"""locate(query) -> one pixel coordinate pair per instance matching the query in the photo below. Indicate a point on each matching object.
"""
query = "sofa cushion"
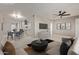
(74, 49)
(68, 41)
(8, 48)
(66, 44)
(71, 51)
(64, 49)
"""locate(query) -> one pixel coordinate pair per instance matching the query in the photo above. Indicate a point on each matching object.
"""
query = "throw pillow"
(68, 41)
(64, 49)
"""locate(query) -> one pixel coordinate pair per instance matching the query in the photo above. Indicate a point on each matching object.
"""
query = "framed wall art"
(68, 26)
(58, 26)
(63, 26)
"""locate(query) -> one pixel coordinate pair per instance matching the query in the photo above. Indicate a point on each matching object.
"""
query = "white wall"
(34, 27)
(76, 43)
(7, 27)
(29, 35)
(59, 34)
(42, 33)
(70, 32)
(77, 27)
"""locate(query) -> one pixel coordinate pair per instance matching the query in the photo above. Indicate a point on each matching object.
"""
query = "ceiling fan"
(62, 13)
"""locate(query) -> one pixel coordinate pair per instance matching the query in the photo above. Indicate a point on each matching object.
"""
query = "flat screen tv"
(43, 26)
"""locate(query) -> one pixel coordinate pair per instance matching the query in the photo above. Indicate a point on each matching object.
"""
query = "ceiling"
(42, 10)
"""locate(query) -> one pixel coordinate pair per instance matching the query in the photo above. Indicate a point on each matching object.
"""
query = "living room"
(23, 23)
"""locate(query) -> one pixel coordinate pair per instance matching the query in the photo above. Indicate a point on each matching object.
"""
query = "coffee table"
(39, 47)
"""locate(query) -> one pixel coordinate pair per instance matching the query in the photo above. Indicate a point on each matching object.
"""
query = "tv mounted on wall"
(43, 26)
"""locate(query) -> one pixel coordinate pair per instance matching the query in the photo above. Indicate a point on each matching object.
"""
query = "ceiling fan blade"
(61, 14)
(65, 14)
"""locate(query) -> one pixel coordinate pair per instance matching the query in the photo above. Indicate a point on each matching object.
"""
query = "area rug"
(30, 51)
